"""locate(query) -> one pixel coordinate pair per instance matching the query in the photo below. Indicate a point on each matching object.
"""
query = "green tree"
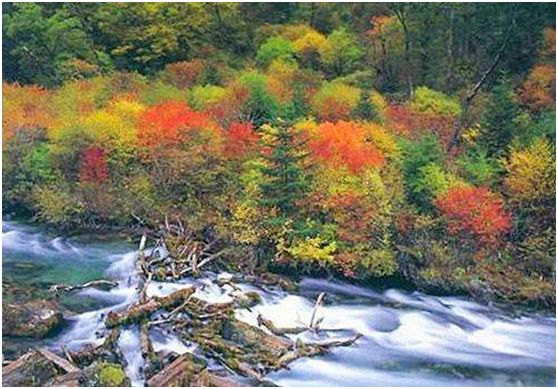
(416, 157)
(285, 180)
(500, 121)
(275, 48)
(261, 106)
(341, 52)
(42, 43)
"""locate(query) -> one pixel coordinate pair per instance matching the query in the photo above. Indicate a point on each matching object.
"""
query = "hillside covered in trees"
(409, 141)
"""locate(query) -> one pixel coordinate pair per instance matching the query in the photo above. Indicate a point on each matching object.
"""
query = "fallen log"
(181, 372)
(152, 362)
(31, 369)
(58, 361)
(98, 284)
(139, 311)
(280, 331)
(312, 349)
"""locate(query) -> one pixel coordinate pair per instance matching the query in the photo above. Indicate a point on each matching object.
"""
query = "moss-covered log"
(140, 311)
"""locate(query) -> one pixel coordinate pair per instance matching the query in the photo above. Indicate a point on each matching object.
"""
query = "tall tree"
(285, 179)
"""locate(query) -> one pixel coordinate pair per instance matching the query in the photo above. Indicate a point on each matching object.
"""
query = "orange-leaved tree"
(24, 108)
(172, 123)
(345, 144)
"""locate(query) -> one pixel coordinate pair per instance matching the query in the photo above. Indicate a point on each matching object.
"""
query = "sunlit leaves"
(531, 172)
(432, 102)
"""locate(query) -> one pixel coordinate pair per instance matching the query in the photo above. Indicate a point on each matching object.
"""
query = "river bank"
(500, 289)
(407, 336)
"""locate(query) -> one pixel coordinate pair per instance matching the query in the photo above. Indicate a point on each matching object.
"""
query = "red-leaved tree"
(476, 215)
(94, 168)
(241, 139)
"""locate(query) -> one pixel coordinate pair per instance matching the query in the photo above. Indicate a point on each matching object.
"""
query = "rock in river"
(35, 318)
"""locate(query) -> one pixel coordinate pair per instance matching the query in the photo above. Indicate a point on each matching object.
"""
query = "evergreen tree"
(285, 178)
(499, 124)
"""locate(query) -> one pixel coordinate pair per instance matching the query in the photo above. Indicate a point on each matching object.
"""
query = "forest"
(363, 140)
(287, 173)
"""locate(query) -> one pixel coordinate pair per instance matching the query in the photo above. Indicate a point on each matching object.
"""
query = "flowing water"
(409, 339)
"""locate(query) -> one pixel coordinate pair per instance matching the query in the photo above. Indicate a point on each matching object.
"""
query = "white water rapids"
(409, 338)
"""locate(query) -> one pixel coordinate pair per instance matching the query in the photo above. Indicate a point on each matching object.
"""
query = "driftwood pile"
(244, 352)
(179, 251)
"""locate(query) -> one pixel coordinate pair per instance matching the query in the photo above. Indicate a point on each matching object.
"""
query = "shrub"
(58, 206)
(159, 92)
(241, 139)
(335, 101)
(207, 96)
(75, 69)
(382, 139)
(432, 102)
(432, 182)
(169, 124)
(184, 74)
(416, 155)
(93, 167)
(312, 249)
(538, 92)
(260, 106)
(274, 48)
(478, 168)
(530, 174)
(415, 125)
(308, 47)
(475, 214)
(378, 263)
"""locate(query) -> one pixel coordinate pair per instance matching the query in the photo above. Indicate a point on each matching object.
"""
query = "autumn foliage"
(345, 144)
(94, 168)
(539, 89)
(241, 139)
(24, 108)
(475, 213)
(402, 120)
(169, 124)
(184, 74)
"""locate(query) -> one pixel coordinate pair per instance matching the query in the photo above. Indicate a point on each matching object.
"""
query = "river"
(409, 338)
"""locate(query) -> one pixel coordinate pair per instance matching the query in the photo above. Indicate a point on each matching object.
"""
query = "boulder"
(35, 318)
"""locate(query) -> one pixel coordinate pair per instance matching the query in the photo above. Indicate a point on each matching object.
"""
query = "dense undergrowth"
(301, 157)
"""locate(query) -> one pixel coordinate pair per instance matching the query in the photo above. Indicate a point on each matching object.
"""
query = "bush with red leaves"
(94, 168)
(475, 214)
